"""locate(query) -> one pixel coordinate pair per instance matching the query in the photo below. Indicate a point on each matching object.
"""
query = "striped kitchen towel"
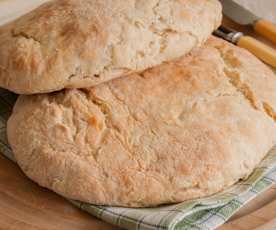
(206, 213)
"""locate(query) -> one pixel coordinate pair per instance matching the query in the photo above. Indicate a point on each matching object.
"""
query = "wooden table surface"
(25, 205)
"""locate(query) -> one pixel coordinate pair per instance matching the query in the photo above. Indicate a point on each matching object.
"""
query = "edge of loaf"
(81, 43)
(182, 130)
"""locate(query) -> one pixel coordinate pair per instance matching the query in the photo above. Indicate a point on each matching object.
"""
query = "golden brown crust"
(182, 130)
(81, 43)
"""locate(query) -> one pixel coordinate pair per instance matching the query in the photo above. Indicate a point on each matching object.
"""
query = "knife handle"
(266, 29)
(265, 53)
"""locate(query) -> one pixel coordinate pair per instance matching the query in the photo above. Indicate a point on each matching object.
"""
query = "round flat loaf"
(81, 43)
(182, 130)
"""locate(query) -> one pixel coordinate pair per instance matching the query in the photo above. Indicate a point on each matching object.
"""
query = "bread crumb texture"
(182, 130)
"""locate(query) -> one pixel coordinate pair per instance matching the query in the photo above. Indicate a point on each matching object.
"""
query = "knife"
(243, 16)
(266, 53)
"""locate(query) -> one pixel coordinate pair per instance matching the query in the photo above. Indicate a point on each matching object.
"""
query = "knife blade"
(242, 16)
(238, 13)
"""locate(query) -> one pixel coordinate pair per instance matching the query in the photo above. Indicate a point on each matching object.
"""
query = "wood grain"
(25, 205)
(261, 212)
(263, 218)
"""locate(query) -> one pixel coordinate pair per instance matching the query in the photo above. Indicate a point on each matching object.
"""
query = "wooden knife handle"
(266, 29)
(266, 53)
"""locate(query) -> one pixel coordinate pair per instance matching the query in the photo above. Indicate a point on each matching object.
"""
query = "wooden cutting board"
(263, 218)
(25, 205)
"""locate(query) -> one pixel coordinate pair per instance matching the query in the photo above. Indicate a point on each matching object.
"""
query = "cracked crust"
(178, 131)
(81, 43)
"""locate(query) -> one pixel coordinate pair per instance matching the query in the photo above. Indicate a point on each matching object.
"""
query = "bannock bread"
(81, 43)
(181, 130)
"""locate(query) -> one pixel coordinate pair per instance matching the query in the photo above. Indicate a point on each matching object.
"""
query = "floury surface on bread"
(182, 130)
(81, 43)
